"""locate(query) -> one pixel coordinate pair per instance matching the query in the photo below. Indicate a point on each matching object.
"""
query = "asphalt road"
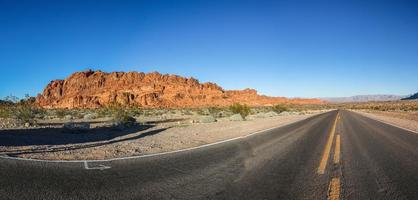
(335, 155)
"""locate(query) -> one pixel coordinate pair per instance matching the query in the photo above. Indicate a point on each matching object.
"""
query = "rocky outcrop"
(92, 89)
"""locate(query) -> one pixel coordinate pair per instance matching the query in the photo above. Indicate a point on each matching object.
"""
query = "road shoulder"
(407, 121)
(167, 139)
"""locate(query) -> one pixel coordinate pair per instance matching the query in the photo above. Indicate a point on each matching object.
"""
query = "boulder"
(207, 119)
(236, 117)
(285, 113)
(270, 114)
(76, 127)
(90, 116)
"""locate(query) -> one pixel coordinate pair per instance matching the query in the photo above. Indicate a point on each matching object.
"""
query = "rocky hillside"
(414, 96)
(91, 89)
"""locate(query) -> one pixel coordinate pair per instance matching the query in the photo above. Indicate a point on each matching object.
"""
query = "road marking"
(100, 167)
(337, 150)
(327, 150)
(334, 189)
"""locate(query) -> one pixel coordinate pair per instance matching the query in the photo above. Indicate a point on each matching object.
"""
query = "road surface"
(335, 155)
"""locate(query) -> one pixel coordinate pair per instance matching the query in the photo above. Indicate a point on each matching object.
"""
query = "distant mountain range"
(365, 98)
(414, 96)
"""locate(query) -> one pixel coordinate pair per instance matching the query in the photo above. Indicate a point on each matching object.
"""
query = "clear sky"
(281, 48)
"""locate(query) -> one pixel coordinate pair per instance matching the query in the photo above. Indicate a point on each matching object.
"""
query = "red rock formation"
(92, 89)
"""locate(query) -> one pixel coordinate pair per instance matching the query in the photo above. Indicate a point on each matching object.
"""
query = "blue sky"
(281, 48)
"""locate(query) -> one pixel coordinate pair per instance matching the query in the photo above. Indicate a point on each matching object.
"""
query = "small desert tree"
(243, 110)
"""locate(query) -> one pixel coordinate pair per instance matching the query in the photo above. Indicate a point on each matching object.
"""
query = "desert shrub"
(103, 112)
(121, 116)
(7, 106)
(61, 113)
(5, 111)
(135, 111)
(202, 111)
(25, 111)
(215, 111)
(186, 112)
(280, 108)
(147, 112)
(243, 110)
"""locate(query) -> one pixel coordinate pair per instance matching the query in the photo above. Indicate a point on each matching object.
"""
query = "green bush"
(6, 112)
(122, 118)
(215, 112)
(280, 108)
(135, 111)
(61, 113)
(243, 110)
(23, 110)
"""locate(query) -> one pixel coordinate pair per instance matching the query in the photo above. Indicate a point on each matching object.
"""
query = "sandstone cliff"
(92, 89)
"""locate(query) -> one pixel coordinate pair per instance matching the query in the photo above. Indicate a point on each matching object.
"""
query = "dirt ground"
(408, 120)
(54, 143)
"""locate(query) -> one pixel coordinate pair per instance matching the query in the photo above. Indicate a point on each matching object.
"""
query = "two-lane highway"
(335, 155)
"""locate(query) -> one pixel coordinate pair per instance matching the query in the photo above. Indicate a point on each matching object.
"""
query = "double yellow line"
(334, 185)
(327, 150)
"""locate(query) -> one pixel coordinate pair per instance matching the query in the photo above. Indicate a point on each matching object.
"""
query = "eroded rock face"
(92, 89)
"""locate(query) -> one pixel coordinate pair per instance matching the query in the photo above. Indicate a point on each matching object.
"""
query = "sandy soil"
(161, 137)
(408, 120)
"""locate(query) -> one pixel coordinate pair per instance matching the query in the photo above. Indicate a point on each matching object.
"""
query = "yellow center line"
(337, 150)
(334, 189)
(327, 150)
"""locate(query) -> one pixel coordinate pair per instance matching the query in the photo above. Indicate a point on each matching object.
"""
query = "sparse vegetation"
(404, 105)
(24, 110)
(280, 108)
(61, 113)
(203, 111)
(216, 112)
(121, 116)
(243, 110)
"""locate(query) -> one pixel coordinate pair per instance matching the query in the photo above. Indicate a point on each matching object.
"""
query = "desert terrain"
(136, 129)
(98, 115)
(85, 118)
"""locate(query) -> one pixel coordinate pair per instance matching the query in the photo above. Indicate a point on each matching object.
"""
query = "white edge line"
(156, 154)
(388, 123)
